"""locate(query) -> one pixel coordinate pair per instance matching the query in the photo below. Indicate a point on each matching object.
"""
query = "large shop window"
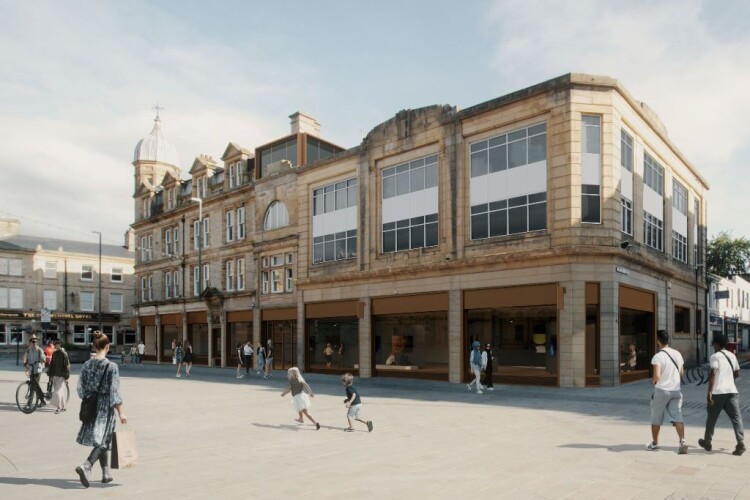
(637, 344)
(412, 344)
(410, 205)
(508, 188)
(333, 344)
(524, 340)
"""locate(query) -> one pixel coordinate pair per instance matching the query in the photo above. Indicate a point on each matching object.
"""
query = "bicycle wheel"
(26, 398)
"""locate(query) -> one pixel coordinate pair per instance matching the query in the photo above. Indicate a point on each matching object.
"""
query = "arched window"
(276, 216)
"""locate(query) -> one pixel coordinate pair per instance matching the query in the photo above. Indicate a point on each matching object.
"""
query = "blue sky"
(78, 80)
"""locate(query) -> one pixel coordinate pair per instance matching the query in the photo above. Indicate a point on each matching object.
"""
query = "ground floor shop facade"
(596, 326)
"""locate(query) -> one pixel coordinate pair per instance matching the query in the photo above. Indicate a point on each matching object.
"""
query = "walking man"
(475, 362)
(141, 352)
(723, 395)
(667, 397)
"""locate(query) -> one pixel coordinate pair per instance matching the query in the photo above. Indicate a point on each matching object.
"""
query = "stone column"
(184, 326)
(256, 331)
(455, 337)
(365, 337)
(159, 340)
(572, 335)
(301, 345)
(609, 329)
(210, 322)
(223, 339)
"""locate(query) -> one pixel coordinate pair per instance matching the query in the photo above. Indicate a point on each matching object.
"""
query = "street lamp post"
(200, 242)
(99, 272)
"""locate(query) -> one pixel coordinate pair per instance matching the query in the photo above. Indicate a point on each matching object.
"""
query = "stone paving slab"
(213, 435)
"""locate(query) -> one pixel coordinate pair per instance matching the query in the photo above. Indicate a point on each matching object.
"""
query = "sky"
(79, 79)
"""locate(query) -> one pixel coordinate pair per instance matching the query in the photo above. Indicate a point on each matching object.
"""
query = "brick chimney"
(304, 123)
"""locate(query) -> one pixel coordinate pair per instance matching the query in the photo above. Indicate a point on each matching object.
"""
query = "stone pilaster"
(365, 338)
(455, 342)
(223, 338)
(609, 330)
(572, 335)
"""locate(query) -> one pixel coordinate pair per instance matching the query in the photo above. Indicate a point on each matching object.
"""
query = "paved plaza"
(214, 436)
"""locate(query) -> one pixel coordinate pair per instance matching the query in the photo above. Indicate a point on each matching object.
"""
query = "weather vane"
(157, 108)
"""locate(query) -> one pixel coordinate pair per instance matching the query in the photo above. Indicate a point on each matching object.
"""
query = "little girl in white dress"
(299, 389)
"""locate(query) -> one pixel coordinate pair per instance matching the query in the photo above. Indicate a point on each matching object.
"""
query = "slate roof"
(30, 243)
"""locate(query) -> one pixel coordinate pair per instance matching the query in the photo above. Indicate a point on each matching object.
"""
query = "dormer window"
(201, 185)
(231, 175)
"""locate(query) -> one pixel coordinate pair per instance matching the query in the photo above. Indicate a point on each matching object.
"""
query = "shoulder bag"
(88, 405)
(675, 365)
(735, 373)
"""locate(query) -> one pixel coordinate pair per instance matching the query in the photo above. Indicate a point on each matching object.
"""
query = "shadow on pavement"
(63, 484)
(618, 448)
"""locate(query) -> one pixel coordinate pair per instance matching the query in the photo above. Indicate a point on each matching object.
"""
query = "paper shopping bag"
(124, 450)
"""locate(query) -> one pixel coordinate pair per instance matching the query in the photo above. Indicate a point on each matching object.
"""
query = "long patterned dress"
(99, 432)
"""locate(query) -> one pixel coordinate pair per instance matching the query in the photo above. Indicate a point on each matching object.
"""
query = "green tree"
(727, 256)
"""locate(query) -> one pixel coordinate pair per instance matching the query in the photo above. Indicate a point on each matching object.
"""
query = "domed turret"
(155, 147)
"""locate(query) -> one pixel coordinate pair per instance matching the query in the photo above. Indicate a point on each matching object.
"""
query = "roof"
(30, 243)
(155, 147)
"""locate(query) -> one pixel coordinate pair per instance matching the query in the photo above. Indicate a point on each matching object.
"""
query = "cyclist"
(59, 370)
(33, 360)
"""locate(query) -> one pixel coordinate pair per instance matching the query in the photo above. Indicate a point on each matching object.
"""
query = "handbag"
(682, 380)
(87, 413)
(124, 450)
(735, 373)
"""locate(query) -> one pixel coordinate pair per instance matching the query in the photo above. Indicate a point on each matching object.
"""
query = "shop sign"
(721, 294)
(715, 319)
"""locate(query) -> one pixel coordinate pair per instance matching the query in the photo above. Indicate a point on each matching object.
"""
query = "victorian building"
(57, 289)
(558, 223)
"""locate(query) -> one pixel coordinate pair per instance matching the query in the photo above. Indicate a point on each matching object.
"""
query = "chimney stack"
(302, 123)
(9, 227)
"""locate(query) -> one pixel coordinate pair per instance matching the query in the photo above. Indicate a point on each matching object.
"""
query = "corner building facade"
(558, 224)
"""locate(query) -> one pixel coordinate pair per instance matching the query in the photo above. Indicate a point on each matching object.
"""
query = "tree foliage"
(727, 256)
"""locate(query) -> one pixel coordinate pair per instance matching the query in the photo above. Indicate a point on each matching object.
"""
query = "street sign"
(46, 315)
(721, 294)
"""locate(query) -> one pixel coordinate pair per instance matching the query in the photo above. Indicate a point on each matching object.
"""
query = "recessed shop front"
(332, 332)
(280, 326)
(593, 336)
(239, 331)
(148, 334)
(637, 342)
(411, 336)
(520, 323)
(197, 335)
(171, 328)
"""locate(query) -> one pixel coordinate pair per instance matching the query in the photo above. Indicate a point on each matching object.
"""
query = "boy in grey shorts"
(667, 397)
(353, 404)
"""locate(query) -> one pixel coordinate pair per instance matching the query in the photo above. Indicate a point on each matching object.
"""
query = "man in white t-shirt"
(141, 352)
(667, 398)
(723, 395)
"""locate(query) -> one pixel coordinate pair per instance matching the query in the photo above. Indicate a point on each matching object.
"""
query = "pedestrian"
(240, 358)
(187, 358)
(178, 353)
(247, 351)
(269, 359)
(261, 359)
(100, 379)
(33, 361)
(488, 362)
(299, 389)
(668, 367)
(49, 349)
(475, 362)
(353, 404)
(328, 353)
(133, 354)
(59, 370)
(141, 352)
(723, 395)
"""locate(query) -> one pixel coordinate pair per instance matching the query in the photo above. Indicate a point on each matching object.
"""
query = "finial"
(157, 108)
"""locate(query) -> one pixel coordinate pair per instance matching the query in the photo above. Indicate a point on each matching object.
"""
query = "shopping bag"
(124, 450)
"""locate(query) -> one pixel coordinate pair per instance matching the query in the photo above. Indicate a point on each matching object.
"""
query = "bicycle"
(27, 398)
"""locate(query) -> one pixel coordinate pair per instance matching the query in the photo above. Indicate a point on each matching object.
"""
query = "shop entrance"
(637, 333)
(283, 336)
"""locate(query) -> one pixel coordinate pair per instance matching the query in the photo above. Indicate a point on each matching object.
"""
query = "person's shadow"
(288, 427)
(617, 448)
(63, 484)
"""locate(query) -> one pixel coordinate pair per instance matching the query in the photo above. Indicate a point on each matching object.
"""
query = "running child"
(353, 404)
(299, 389)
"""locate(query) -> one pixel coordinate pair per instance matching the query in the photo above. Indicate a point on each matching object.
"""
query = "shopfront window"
(637, 344)
(524, 340)
(412, 345)
(333, 344)
(239, 333)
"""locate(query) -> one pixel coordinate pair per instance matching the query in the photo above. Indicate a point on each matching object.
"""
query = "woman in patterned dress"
(100, 377)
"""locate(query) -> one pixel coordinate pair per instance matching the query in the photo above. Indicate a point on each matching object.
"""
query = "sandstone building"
(558, 223)
(40, 276)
